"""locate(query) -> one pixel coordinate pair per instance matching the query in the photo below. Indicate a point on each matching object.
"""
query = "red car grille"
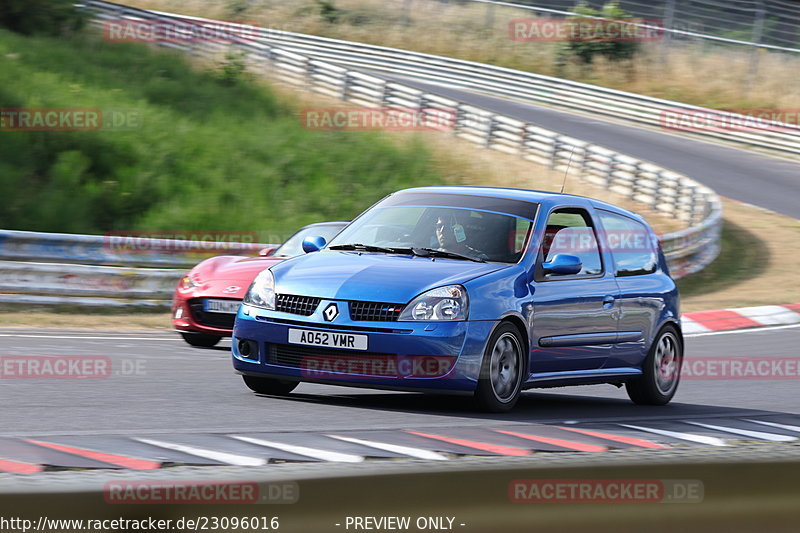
(214, 320)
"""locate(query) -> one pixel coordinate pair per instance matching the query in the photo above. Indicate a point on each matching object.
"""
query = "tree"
(50, 17)
(590, 37)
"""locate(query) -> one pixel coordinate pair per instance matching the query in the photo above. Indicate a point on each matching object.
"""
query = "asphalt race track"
(166, 403)
(169, 403)
(739, 174)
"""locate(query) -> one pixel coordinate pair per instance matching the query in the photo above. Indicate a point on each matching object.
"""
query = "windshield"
(294, 244)
(472, 233)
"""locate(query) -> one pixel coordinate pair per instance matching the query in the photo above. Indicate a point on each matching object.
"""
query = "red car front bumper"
(188, 316)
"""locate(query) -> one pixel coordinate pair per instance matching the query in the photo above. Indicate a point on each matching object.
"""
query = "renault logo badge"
(330, 312)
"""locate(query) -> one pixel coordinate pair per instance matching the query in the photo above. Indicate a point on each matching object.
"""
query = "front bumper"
(431, 356)
(184, 318)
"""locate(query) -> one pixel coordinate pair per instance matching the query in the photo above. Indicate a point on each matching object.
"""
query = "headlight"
(445, 303)
(187, 283)
(262, 291)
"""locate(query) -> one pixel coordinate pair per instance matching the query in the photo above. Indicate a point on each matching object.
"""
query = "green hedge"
(202, 154)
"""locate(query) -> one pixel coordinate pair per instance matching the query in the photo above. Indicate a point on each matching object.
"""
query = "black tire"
(502, 370)
(659, 379)
(201, 339)
(271, 386)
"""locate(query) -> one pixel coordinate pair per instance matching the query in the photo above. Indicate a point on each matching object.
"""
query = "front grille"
(290, 355)
(311, 358)
(296, 305)
(325, 363)
(214, 320)
(375, 311)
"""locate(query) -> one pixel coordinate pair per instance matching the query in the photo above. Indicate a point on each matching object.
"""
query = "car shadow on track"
(540, 407)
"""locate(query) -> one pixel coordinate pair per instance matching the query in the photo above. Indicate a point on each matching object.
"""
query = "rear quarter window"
(631, 244)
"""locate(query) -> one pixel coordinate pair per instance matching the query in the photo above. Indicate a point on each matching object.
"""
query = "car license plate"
(230, 307)
(327, 338)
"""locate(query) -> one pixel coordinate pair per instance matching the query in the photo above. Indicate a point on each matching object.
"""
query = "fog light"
(244, 348)
(179, 312)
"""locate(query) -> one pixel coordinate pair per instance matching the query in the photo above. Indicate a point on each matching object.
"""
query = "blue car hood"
(338, 275)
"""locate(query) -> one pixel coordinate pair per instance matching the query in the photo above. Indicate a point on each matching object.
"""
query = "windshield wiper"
(420, 252)
(358, 247)
(425, 252)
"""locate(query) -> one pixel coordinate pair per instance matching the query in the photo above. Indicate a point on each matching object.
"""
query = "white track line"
(314, 453)
(419, 453)
(747, 433)
(746, 330)
(89, 338)
(702, 439)
(775, 425)
(223, 457)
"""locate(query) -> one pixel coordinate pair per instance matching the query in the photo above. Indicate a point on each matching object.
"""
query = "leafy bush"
(329, 12)
(232, 70)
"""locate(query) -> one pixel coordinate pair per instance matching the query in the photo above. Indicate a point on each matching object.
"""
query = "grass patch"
(84, 319)
(205, 152)
(743, 256)
(757, 266)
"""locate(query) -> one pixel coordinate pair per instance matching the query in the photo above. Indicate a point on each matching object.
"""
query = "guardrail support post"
(554, 153)
(635, 181)
(489, 22)
(346, 79)
(612, 163)
(489, 132)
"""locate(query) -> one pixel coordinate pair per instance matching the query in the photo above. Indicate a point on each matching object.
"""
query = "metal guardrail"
(552, 92)
(665, 191)
(774, 136)
(119, 250)
(100, 270)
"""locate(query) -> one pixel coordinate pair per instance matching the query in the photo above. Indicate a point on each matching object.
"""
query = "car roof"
(547, 198)
(329, 223)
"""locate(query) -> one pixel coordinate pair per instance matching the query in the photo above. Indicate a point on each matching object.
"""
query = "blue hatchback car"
(473, 290)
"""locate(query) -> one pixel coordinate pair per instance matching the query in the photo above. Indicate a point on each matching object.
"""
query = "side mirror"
(267, 251)
(313, 244)
(563, 265)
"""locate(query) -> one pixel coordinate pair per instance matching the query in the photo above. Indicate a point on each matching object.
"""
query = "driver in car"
(452, 237)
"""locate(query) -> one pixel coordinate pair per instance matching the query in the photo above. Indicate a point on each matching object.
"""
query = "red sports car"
(208, 296)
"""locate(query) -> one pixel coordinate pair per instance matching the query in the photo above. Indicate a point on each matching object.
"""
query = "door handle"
(608, 302)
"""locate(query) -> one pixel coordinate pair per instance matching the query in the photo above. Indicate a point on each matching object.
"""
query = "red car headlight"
(187, 283)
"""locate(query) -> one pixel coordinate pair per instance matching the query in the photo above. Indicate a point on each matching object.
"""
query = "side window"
(631, 244)
(570, 231)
